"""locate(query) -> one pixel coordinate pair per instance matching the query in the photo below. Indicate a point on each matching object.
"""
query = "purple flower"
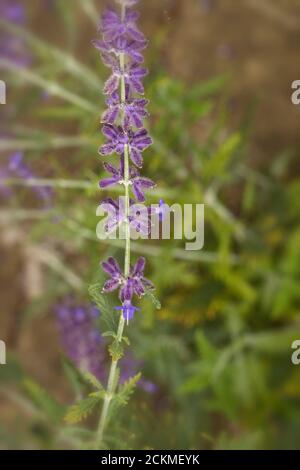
(128, 311)
(135, 283)
(139, 183)
(80, 339)
(133, 109)
(110, 51)
(118, 137)
(133, 74)
(113, 27)
(139, 215)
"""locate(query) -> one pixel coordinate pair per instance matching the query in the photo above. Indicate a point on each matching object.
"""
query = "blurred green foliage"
(219, 349)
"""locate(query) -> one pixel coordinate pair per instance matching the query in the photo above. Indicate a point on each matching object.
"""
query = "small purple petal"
(136, 157)
(110, 285)
(108, 182)
(106, 149)
(139, 267)
(111, 85)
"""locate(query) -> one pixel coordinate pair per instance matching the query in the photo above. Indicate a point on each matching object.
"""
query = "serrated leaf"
(83, 408)
(127, 389)
(153, 299)
(107, 316)
(92, 380)
(122, 397)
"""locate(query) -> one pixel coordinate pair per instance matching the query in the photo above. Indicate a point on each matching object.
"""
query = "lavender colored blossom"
(139, 183)
(110, 51)
(128, 310)
(133, 109)
(133, 74)
(135, 283)
(139, 216)
(114, 27)
(137, 142)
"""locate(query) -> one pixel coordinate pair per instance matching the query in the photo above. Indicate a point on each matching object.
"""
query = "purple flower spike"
(121, 47)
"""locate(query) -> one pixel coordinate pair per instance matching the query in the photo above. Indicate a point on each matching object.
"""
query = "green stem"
(112, 378)
(111, 387)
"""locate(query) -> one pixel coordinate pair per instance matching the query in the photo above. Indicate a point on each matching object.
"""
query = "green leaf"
(83, 408)
(121, 398)
(92, 380)
(43, 400)
(127, 389)
(153, 299)
(107, 316)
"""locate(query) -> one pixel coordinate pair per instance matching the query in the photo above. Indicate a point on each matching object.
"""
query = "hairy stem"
(112, 378)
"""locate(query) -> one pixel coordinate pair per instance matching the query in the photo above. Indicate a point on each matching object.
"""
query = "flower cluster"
(121, 49)
(135, 283)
